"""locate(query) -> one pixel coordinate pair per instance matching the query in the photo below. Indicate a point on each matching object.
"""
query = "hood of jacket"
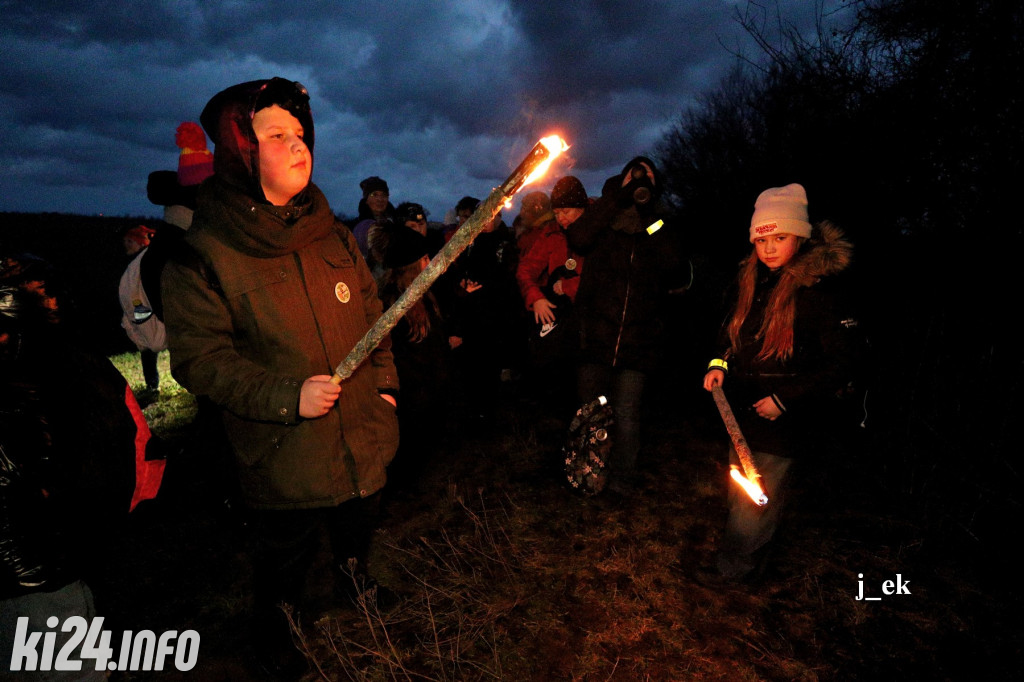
(659, 181)
(227, 119)
(617, 204)
(636, 161)
(827, 253)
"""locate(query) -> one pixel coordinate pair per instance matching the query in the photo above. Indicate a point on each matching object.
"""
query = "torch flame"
(555, 146)
(532, 167)
(749, 487)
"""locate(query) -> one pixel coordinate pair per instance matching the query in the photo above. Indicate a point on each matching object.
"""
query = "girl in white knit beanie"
(781, 349)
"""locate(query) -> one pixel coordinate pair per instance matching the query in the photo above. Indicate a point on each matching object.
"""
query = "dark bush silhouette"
(906, 128)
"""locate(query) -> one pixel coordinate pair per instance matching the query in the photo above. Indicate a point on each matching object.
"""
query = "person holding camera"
(634, 260)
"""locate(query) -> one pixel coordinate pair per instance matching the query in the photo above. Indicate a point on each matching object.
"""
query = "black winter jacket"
(67, 466)
(823, 349)
(632, 264)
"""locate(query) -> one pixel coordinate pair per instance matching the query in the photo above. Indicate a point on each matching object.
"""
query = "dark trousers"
(149, 369)
(624, 389)
(287, 543)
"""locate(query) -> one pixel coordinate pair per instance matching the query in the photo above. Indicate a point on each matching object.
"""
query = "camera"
(640, 185)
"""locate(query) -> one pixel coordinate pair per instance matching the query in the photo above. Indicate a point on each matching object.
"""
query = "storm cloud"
(442, 99)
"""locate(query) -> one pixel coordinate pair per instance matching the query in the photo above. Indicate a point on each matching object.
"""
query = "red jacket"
(526, 240)
(549, 252)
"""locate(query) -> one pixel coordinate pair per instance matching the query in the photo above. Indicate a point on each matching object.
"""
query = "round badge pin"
(342, 291)
(570, 264)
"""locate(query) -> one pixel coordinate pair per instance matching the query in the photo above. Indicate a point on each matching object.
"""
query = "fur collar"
(827, 253)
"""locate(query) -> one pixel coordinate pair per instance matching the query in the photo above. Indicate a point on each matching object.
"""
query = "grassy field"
(175, 409)
(507, 575)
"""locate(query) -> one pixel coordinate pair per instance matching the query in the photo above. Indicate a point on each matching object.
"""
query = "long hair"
(827, 252)
(775, 331)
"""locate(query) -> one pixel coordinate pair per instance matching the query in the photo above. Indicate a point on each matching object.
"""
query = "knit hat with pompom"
(195, 162)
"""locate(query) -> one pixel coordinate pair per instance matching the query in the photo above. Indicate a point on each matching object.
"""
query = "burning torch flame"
(531, 168)
(555, 146)
(749, 478)
(749, 487)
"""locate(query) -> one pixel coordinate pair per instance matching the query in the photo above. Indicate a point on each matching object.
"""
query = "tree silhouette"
(905, 126)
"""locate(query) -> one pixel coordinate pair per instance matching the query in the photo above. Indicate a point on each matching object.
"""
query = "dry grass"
(507, 575)
(516, 578)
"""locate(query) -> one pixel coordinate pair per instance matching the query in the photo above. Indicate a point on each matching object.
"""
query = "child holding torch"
(271, 296)
(783, 351)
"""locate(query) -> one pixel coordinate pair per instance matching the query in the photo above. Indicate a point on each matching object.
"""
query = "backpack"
(143, 327)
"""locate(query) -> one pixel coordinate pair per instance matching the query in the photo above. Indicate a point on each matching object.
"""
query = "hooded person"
(634, 260)
(270, 296)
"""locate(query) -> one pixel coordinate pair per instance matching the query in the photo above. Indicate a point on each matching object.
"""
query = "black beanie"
(373, 184)
(568, 192)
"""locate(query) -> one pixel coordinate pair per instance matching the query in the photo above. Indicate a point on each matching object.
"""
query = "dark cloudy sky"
(441, 99)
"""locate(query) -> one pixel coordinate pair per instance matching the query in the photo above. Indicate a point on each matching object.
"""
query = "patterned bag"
(589, 446)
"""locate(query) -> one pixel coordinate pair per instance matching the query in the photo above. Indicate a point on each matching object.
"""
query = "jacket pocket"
(333, 251)
(254, 441)
(385, 422)
(248, 281)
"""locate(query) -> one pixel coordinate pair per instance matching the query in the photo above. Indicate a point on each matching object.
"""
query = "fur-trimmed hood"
(826, 253)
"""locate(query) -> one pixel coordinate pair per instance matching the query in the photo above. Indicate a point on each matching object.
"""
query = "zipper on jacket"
(625, 304)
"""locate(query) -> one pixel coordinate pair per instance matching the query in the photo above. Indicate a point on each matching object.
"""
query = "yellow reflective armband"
(718, 364)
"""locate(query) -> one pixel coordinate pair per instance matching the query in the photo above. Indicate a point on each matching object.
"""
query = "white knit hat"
(781, 210)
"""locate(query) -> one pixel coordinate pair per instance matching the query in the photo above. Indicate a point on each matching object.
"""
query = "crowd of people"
(263, 291)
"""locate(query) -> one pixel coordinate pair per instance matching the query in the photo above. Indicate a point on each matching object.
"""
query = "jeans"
(624, 389)
(749, 527)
